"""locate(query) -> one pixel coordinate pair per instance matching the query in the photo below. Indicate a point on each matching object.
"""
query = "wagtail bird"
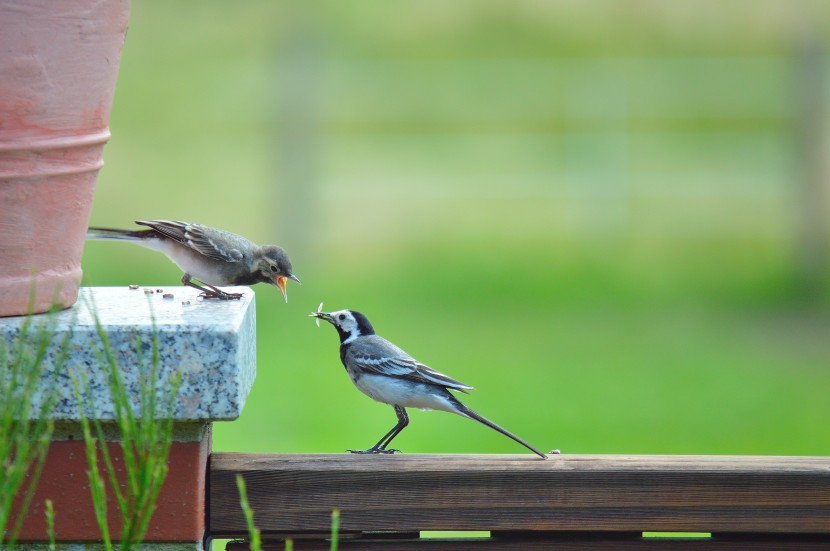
(387, 374)
(211, 256)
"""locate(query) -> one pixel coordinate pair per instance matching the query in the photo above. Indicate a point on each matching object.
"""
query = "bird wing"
(399, 364)
(210, 242)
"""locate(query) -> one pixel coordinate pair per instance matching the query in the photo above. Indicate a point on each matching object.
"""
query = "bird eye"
(273, 268)
(341, 317)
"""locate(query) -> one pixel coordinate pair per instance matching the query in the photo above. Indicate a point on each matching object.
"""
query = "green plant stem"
(26, 430)
(146, 433)
(50, 524)
(335, 529)
(253, 532)
(96, 483)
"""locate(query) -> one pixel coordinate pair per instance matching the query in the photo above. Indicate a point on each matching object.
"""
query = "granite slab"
(211, 343)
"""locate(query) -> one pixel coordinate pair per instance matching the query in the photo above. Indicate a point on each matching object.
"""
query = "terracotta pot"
(58, 67)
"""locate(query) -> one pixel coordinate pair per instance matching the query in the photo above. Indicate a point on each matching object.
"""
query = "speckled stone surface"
(211, 343)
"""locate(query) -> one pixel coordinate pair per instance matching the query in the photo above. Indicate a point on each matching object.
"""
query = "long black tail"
(116, 234)
(467, 412)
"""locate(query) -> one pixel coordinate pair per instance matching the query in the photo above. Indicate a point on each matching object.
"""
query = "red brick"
(180, 509)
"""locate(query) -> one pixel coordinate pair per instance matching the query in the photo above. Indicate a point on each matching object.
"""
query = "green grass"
(605, 374)
(254, 534)
(613, 272)
(145, 435)
(26, 430)
(677, 535)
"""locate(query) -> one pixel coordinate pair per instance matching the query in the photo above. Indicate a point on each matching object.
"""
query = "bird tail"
(461, 409)
(115, 234)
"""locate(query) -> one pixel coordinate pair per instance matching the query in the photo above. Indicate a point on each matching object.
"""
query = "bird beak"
(280, 281)
(318, 314)
(321, 315)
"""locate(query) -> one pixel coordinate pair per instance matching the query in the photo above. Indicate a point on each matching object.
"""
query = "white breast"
(188, 260)
(404, 393)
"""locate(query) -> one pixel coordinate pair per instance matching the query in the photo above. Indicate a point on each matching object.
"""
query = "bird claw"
(220, 295)
(373, 451)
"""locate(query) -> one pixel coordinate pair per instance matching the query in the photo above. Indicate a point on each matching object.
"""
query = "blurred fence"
(665, 148)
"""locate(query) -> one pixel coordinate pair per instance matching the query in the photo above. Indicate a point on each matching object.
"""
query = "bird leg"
(220, 294)
(209, 291)
(380, 447)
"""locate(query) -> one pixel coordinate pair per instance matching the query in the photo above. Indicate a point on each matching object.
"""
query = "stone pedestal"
(212, 344)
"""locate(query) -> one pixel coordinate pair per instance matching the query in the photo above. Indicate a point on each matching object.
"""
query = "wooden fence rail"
(567, 502)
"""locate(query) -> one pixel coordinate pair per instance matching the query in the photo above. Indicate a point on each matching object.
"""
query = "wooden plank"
(569, 542)
(410, 493)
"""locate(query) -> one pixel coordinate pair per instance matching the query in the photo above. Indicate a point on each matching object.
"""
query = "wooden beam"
(608, 541)
(295, 494)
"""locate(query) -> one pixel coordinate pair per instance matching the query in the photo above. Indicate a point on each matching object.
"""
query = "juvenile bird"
(387, 374)
(209, 255)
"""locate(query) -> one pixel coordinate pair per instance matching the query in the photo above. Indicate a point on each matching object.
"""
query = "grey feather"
(211, 242)
(374, 354)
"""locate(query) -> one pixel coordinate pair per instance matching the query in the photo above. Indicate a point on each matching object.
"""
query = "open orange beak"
(280, 281)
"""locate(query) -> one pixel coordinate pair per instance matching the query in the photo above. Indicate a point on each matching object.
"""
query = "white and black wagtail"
(387, 374)
(211, 256)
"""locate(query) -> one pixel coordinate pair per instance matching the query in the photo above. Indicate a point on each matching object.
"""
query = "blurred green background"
(610, 217)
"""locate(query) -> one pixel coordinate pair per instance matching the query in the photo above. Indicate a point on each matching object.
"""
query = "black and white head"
(274, 267)
(349, 324)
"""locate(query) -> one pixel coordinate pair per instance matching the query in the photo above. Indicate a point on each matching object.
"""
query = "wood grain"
(613, 493)
(592, 542)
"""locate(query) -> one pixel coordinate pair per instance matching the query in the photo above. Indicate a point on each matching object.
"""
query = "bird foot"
(220, 295)
(373, 451)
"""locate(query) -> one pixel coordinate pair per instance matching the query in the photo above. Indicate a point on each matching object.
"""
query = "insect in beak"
(319, 314)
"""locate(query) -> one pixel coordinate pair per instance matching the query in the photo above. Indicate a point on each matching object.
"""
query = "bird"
(209, 255)
(387, 374)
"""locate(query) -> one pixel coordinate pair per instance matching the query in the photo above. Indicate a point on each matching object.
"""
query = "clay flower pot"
(58, 67)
